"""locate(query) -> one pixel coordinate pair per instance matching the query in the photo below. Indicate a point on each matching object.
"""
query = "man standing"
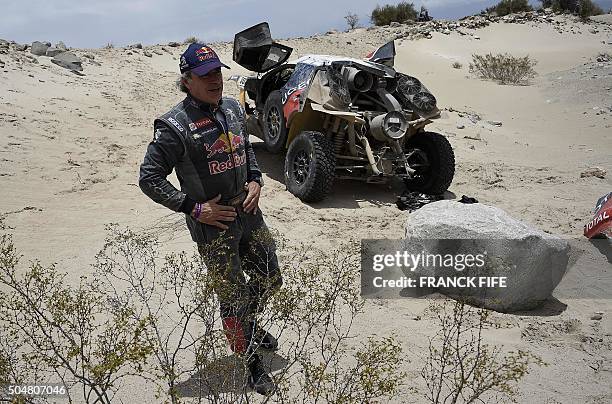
(204, 139)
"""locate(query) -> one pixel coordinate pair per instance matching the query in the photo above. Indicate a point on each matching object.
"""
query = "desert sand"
(71, 147)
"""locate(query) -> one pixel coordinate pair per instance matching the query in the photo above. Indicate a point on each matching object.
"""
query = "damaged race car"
(340, 118)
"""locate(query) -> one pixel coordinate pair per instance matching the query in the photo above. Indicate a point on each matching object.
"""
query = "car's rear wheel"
(275, 130)
(431, 156)
(309, 166)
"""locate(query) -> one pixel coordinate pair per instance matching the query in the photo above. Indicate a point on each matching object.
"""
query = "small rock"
(137, 46)
(594, 172)
(174, 44)
(472, 147)
(20, 47)
(78, 73)
(494, 123)
(89, 56)
(460, 126)
(52, 51)
(158, 52)
(39, 48)
(596, 317)
(147, 54)
(476, 37)
(68, 60)
(395, 24)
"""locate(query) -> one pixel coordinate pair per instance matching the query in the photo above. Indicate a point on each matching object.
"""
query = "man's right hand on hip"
(213, 214)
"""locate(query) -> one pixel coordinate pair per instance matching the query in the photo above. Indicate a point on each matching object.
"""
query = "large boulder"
(39, 48)
(68, 60)
(532, 262)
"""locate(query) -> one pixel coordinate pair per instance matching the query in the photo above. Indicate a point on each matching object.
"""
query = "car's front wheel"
(309, 166)
(430, 154)
(275, 130)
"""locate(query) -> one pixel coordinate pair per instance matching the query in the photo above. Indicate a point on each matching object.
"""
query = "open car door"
(255, 50)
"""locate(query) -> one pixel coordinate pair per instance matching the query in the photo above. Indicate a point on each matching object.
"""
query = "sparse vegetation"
(401, 12)
(460, 367)
(352, 20)
(503, 68)
(505, 7)
(190, 40)
(109, 45)
(457, 65)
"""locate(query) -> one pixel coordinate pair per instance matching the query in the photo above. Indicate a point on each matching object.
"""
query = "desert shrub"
(109, 45)
(352, 20)
(385, 15)
(505, 7)
(190, 40)
(142, 314)
(460, 367)
(503, 68)
(457, 65)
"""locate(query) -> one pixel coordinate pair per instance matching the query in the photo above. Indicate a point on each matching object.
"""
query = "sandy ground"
(71, 147)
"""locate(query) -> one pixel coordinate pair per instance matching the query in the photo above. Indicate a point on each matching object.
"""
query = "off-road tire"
(314, 183)
(274, 127)
(437, 177)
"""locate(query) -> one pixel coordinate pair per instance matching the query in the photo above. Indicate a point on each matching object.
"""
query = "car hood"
(254, 49)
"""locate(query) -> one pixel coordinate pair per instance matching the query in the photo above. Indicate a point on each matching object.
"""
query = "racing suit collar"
(203, 105)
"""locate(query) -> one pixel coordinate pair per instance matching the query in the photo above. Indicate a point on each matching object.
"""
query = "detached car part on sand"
(341, 117)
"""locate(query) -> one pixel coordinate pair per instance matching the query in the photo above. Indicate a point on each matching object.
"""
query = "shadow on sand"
(345, 193)
(226, 375)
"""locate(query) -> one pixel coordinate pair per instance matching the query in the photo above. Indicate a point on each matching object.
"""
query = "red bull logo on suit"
(224, 144)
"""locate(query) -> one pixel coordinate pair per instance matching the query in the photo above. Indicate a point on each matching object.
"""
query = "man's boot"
(259, 380)
(261, 338)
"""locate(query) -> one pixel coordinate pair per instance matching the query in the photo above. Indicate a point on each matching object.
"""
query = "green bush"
(505, 7)
(503, 68)
(388, 13)
(588, 8)
(583, 8)
(190, 40)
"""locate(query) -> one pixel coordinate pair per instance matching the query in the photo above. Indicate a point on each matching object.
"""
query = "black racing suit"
(211, 153)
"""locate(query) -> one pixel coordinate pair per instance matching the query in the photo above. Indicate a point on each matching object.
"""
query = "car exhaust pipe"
(357, 80)
(390, 126)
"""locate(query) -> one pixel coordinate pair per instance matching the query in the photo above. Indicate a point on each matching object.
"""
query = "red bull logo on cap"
(205, 53)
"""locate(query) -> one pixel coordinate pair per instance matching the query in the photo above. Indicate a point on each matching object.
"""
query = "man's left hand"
(251, 202)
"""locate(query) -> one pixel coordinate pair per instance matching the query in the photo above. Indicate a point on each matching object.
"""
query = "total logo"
(200, 124)
(224, 144)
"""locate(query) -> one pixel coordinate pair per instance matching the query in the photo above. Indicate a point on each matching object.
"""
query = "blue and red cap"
(199, 59)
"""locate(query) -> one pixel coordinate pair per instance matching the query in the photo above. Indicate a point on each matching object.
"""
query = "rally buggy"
(341, 117)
